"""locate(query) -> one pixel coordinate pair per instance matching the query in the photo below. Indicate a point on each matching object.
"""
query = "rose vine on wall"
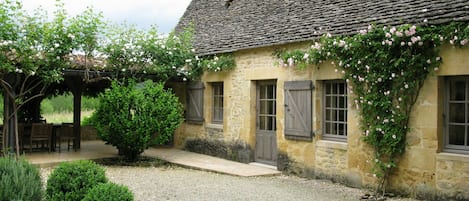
(385, 67)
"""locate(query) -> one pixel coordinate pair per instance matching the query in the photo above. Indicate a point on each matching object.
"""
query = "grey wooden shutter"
(195, 103)
(298, 110)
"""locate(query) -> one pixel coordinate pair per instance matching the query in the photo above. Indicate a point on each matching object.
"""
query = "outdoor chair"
(65, 133)
(41, 133)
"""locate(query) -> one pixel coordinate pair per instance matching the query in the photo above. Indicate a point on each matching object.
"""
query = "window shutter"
(298, 110)
(195, 103)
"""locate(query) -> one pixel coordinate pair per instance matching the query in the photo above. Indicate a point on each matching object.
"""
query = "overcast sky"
(143, 13)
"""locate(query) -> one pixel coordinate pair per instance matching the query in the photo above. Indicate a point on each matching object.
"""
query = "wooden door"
(266, 137)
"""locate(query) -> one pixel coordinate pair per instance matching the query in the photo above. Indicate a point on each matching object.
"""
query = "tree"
(132, 117)
(33, 53)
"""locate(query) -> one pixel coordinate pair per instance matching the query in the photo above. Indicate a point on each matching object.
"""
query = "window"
(195, 103)
(457, 114)
(267, 106)
(217, 102)
(335, 110)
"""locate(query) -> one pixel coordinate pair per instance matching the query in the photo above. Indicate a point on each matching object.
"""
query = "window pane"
(341, 129)
(220, 89)
(334, 88)
(262, 92)
(328, 128)
(271, 123)
(334, 115)
(216, 102)
(456, 113)
(333, 129)
(262, 123)
(218, 114)
(328, 101)
(271, 92)
(271, 107)
(341, 88)
(328, 88)
(341, 115)
(220, 102)
(458, 90)
(263, 107)
(328, 115)
(342, 102)
(334, 102)
(456, 135)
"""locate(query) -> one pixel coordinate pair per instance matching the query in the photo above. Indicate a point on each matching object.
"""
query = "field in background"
(59, 109)
(65, 116)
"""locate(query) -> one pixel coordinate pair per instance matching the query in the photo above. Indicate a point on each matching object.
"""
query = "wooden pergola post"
(75, 84)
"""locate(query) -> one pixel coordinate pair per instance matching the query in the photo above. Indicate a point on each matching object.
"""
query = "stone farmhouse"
(277, 115)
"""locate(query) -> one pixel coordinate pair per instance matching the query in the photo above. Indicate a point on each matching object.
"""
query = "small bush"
(109, 192)
(20, 180)
(132, 117)
(72, 180)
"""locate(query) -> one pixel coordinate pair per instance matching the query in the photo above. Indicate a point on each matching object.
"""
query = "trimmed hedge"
(109, 192)
(72, 180)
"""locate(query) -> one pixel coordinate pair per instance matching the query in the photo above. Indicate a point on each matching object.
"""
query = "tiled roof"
(231, 25)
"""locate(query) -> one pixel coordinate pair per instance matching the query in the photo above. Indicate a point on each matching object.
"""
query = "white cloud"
(162, 13)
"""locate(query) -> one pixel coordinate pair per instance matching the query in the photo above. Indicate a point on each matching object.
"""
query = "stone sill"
(214, 126)
(332, 144)
(452, 157)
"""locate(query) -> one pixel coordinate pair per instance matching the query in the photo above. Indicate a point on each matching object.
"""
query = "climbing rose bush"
(385, 67)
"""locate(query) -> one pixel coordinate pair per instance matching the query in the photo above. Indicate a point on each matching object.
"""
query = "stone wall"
(424, 171)
(88, 133)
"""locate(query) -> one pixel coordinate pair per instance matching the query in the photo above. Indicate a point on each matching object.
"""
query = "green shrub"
(88, 121)
(134, 117)
(89, 103)
(109, 192)
(20, 180)
(72, 180)
(47, 107)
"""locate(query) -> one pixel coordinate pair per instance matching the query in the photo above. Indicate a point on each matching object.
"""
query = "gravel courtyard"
(177, 183)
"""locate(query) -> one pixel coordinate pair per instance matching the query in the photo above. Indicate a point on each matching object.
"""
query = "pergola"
(82, 82)
(77, 81)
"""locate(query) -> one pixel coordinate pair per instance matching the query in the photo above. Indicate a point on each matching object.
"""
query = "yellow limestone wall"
(424, 170)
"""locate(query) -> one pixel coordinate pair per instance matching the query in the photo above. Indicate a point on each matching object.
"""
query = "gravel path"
(176, 183)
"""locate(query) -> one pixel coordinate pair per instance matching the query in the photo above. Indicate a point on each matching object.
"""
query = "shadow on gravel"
(143, 161)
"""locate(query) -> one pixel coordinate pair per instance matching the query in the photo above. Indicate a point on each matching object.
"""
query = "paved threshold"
(97, 149)
(89, 150)
(209, 163)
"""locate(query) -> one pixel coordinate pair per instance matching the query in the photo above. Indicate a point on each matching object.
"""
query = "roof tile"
(251, 23)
